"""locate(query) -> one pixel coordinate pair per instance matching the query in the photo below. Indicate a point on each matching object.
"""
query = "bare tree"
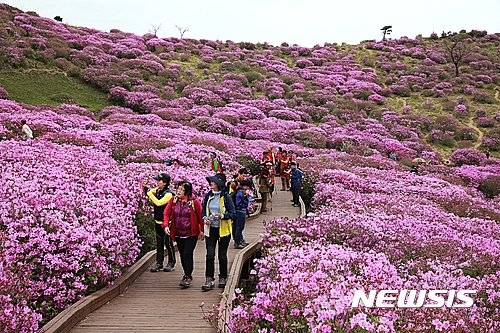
(154, 29)
(386, 31)
(182, 30)
(457, 50)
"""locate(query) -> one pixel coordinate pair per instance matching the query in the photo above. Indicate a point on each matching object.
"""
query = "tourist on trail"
(283, 165)
(295, 177)
(216, 165)
(234, 186)
(487, 153)
(278, 160)
(270, 167)
(414, 169)
(160, 196)
(270, 155)
(264, 188)
(264, 158)
(27, 132)
(183, 222)
(218, 213)
(242, 175)
(292, 156)
(242, 201)
(393, 156)
(286, 176)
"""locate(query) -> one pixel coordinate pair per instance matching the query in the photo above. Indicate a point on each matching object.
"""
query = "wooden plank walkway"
(155, 302)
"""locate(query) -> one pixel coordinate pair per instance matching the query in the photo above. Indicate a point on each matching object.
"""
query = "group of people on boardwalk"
(284, 165)
(182, 218)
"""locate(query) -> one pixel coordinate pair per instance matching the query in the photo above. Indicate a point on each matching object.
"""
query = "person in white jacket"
(27, 132)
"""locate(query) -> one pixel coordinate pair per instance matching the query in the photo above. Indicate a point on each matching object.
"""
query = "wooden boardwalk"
(155, 302)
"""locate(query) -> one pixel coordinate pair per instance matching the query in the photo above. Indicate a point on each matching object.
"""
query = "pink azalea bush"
(404, 232)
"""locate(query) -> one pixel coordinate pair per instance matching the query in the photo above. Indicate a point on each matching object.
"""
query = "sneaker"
(295, 205)
(209, 284)
(222, 282)
(170, 267)
(291, 200)
(186, 281)
(244, 243)
(240, 246)
(157, 268)
(283, 189)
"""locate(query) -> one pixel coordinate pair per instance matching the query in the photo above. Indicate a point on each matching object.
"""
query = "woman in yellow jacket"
(218, 212)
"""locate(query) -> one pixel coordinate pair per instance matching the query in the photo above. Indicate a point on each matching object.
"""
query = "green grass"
(50, 87)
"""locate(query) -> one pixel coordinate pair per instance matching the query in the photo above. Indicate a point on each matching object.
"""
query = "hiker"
(216, 164)
(278, 160)
(393, 156)
(414, 169)
(270, 167)
(283, 165)
(296, 177)
(183, 222)
(286, 176)
(242, 175)
(487, 153)
(217, 212)
(160, 196)
(270, 155)
(264, 188)
(242, 201)
(27, 132)
(233, 187)
(264, 158)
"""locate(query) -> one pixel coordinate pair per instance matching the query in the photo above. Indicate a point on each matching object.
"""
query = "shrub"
(486, 122)
(467, 156)
(490, 186)
(3, 93)
(483, 97)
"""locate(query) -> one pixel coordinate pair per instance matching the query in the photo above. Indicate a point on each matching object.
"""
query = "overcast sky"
(306, 22)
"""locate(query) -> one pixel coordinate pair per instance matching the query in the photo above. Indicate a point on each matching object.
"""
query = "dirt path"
(496, 93)
(472, 125)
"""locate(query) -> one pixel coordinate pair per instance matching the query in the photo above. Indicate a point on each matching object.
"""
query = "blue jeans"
(239, 224)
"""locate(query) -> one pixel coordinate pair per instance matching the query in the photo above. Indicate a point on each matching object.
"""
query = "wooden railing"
(71, 316)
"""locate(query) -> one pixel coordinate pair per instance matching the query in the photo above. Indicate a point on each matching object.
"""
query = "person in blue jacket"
(296, 178)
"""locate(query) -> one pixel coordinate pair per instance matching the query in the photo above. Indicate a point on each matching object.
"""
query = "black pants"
(162, 241)
(295, 194)
(211, 243)
(186, 249)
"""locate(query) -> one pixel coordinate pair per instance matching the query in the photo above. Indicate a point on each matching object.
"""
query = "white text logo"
(414, 298)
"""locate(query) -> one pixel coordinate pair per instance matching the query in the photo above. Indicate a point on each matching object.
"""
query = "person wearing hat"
(160, 196)
(295, 177)
(218, 212)
(216, 165)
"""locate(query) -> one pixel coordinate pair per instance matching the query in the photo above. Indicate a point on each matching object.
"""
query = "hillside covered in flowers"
(72, 216)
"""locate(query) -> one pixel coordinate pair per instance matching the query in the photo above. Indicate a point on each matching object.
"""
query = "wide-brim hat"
(219, 179)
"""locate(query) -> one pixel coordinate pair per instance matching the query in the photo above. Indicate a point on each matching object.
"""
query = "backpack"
(233, 197)
(302, 177)
(222, 167)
